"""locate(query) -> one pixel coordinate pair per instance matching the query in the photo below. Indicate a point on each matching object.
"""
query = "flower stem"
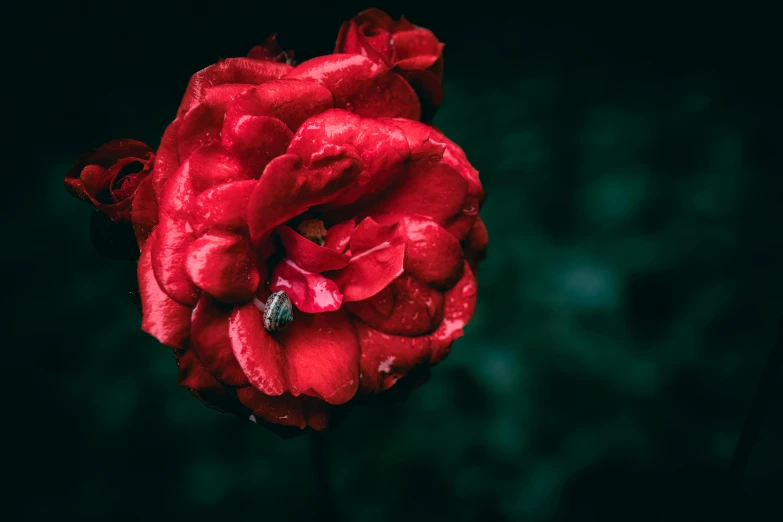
(319, 452)
(758, 409)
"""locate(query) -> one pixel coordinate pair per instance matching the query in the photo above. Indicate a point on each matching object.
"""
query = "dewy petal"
(288, 188)
(417, 308)
(382, 146)
(291, 101)
(358, 83)
(416, 43)
(144, 212)
(223, 207)
(222, 265)
(436, 191)
(258, 353)
(231, 70)
(308, 255)
(256, 140)
(166, 158)
(377, 258)
(458, 308)
(286, 410)
(223, 94)
(310, 292)
(168, 246)
(387, 358)
(434, 255)
(162, 317)
(322, 355)
(213, 165)
(209, 339)
(199, 126)
(338, 236)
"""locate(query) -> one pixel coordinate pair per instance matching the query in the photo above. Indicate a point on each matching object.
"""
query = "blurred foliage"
(626, 307)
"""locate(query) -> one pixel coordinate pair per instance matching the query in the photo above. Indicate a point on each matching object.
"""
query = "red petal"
(428, 88)
(223, 207)
(166, 158)
(231, 70)
(416, 63)
(256, 139)
(168, 246)
(258, 353)
(200, 126)
(162, 317)
(361, 84)
(192, 373)
(458, 308)
(221, 264)
(416, 43)
(288, 188)
(352, 40)
(387, 358)
(290, 101)
(378, 255)
(213, 165)
(322, 353)
(435, 191)
(382, 146)
(209, 339)
(144, 211)
(338, 236)
(223, 94)
(417, 309)
(308, 255)
(286, 409)
(310, 292)
(434, 255)
(476, 243)
(177, 195)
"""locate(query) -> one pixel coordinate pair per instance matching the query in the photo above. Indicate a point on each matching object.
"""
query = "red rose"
(109, 176)
(316, 181)
(413, 51)
(271, 51)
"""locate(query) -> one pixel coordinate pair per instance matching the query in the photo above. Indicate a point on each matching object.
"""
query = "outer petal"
(213, 165)
(286, 409)
(256, 140)
(476, 243)
(434, 255)
(387, 358)
(223, 207)
(258, 353)
(168, 246)
(377, 258)
(322, 355)
(201, 125)
(436, 191)
(144, 212)
(204, 386)
(291, 101)
(231, 70)
(222, 265)
(459, 305)
(416, 308)
(209, 340)
(308, 255)
(162, 317)
(310, 292)
(416, 43)
(166, 158)
(288, 188)
(361, 84)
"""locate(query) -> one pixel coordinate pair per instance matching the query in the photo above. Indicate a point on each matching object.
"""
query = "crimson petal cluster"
(261, 150)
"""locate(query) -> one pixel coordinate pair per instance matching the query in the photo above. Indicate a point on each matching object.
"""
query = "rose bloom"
(413, 51)
(305, 240)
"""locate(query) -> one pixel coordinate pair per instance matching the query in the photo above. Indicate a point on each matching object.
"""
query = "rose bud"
(413, 51)
(108, 178)
(269, 50)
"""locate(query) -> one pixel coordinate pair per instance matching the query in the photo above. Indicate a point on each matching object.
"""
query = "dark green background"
(631, 156)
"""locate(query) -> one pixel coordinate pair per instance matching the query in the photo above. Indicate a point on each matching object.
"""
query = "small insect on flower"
(278, 312)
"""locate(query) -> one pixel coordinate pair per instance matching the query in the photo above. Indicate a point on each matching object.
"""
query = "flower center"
(313, 229)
